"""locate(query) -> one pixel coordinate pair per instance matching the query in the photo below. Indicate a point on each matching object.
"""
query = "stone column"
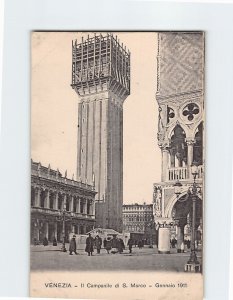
(46, 205)
(55, 230)
(172, 160)
(190, 144)
(63, 201)
(176, 162)
(79, 205)
(73, 229)
(164, 240)
(46, 229)
(72, 203)
(55, 204)
(180, 237)
(85, 206)
(37, 197)
(165, 155)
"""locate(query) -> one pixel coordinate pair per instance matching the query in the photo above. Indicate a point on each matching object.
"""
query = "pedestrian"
(89, 245)
(105, 242)
(121, 245)
(54, 242)
(45, 241)
(182, 247)
(130, 244)
(114, 245)
(98, 243)
(173, 242)
(140, 243)
(108, 246)
(188, 244)
(73, 246)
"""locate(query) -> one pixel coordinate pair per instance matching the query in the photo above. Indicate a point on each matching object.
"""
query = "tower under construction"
(101, 78)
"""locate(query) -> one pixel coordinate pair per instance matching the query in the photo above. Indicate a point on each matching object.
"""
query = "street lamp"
(193, 264)
(63, 218)
(151, 226)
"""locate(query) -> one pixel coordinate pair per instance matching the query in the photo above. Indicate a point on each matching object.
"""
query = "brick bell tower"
(101, 78)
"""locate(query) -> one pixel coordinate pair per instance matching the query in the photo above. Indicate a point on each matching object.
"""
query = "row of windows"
(137, 218)
(137, 207)
(133, 228)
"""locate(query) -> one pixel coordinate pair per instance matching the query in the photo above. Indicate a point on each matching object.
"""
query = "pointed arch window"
(198, 146)
(178, 150)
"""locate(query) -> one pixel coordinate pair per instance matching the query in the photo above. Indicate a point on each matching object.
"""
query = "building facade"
(180, 82)
(101, 78)
(138, 219)
(51, 193)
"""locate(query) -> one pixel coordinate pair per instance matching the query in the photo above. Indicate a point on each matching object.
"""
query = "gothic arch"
(172, 201)
(178, 147)
(198, 145)
(172, 128)
(197, 127)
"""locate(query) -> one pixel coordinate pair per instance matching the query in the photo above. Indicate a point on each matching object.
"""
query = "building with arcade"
(180, 98)
(54, 195)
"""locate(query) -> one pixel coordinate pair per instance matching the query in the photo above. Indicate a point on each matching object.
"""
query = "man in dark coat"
(108, 246)
(73, 246)
(130, 244)
(105, 243)
(54, 242)
(98, 243)
(140, 243)
(114, 249)
(45, 241)
(89, 245)
(121, 245)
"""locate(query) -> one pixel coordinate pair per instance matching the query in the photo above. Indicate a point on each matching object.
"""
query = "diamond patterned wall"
(180, 63)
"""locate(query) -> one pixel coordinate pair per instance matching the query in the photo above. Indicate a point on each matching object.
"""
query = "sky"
(54, 110)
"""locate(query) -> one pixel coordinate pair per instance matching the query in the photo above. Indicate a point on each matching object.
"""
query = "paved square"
(51, 258)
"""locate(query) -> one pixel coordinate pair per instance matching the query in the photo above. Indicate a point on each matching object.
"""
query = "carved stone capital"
(190, 142)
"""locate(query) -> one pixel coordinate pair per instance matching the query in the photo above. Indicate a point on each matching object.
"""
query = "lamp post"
(63, 218)
(151, 225)
(193, 264)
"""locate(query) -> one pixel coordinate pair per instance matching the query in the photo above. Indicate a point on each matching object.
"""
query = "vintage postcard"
(117, 165)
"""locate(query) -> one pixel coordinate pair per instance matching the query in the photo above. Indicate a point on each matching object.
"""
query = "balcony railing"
(63, 180)
(182, 173)
(177, 173)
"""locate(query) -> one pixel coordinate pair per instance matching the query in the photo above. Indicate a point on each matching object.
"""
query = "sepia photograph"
(117, 160)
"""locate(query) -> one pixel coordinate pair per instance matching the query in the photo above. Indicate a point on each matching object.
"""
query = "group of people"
(115, 245)
(139, 243)
(45, 241)
(112, 245)
(173, 243)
